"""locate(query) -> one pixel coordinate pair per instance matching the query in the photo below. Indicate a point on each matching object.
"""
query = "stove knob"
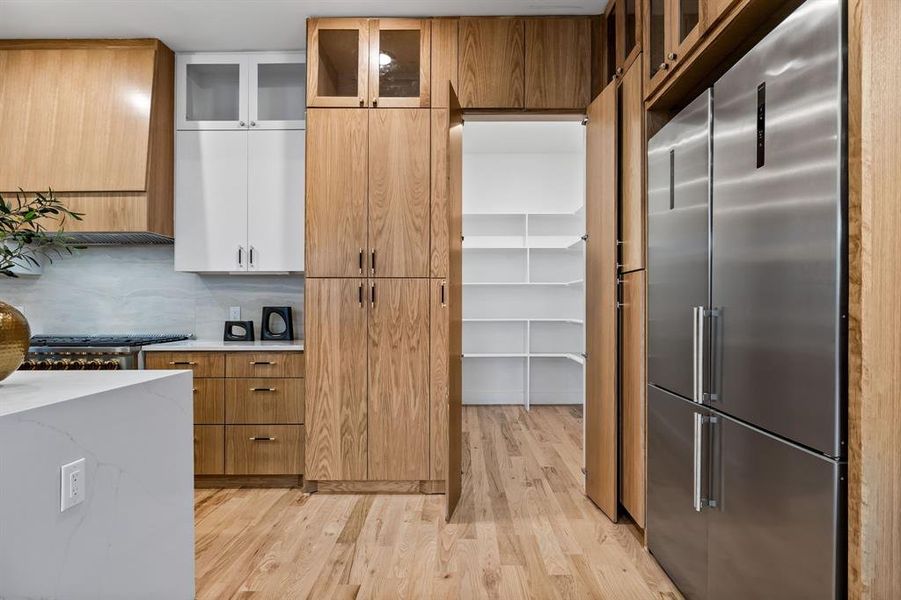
(112, 365)
(28, 365)
(79, 364)
(43, 365)
(95, 364)
(64, 364)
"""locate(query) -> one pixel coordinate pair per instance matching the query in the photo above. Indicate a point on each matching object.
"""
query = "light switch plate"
(234, 313)
(73, 484)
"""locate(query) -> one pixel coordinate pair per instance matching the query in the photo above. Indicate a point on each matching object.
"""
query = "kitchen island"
(132, 536)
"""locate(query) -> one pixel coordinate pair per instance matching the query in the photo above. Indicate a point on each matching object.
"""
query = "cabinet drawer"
(209, 449)
(209, 401)
(264, 449)
(277, 400)
(264, 364)
(204, 364)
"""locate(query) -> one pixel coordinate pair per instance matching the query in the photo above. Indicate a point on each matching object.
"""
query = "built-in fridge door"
(778, 234)
(778, 527)
(678, 249)
(677, 489)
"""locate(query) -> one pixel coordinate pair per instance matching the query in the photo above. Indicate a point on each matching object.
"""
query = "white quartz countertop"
(220, 346)
(27, 390)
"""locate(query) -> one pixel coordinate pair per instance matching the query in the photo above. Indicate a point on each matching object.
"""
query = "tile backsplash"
(135, 289)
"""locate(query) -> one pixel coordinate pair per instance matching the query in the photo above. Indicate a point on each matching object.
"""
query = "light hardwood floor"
(523, 529)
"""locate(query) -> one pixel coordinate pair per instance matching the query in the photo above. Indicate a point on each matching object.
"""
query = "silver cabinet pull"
(251, 255)
(182, 362)
(240, 123)
(253, 123)
(240, 256)
(263, 439)
(262, 389)
(696, 462)
(262, 362)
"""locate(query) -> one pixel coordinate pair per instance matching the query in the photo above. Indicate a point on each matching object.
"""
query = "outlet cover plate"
(73, 484)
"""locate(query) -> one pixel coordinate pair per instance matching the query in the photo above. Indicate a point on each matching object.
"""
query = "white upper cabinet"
(239, 162)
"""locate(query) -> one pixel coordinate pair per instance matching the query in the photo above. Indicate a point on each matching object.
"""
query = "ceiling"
(231, 25)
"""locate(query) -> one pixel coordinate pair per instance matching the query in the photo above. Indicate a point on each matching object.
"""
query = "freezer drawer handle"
(696, 462)
(697, 354)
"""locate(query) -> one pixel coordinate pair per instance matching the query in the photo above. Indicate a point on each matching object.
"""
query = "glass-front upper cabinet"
(212, 91)
(671, 29)
(338, 67)
(686, 27)
(399, 63)
(278, 90)
(622, 36)
(630, 15)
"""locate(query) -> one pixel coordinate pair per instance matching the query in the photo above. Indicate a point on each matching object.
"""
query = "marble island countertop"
(220, 346)
(28, 390)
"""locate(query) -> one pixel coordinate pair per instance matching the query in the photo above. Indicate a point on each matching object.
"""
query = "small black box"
(238, 331)
(278, 323)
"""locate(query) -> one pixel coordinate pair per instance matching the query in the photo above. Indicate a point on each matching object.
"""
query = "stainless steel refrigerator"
(747, 323)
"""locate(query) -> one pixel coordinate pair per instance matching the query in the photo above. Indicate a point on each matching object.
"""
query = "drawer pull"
(262, 439)
(262, 389)
(182, 362)
(262, 362)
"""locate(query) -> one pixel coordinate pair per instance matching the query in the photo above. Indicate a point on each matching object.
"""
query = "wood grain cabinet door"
(336, 343)
(439, 352)
(399, 63)
(336, 171)
(209, 449)
(491, 62)
(399, 379)
(633, 390)
(399, 192)
(558, 63)
(338, 62)
(631, 162)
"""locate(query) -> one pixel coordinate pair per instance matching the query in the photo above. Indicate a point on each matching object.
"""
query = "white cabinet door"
(277, 90)
(211, 91)
(211, 201)
(275, 200)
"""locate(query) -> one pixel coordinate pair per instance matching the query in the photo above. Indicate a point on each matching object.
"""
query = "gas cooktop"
(102, 341)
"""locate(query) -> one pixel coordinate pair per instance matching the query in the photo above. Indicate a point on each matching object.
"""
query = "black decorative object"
(278, 323)
(238, 331)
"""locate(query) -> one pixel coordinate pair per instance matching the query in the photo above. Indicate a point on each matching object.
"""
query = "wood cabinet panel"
(399, 192)
(633, 391)
(336, 407)
(395, 38)
(712, 10)
(209, 449)
(557, 55)
(209, 401)
(399, 379)
(264, 449)
(337, 62)
(203, 364)
(438, 378)
(444, 59)
(75, 119)
(264, 364)
(601, 414)
(439, 216)
(631, 168)
(257, 400)
(336, 181)
(491, 62)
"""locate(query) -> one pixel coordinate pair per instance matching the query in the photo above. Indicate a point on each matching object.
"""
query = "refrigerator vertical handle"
(696, 462)
(696, 317)
(699, 361)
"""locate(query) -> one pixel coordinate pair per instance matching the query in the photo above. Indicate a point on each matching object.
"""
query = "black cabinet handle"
(372, 293)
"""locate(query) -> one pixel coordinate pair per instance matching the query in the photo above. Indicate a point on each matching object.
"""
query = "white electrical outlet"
(73, 484)
(234, 313)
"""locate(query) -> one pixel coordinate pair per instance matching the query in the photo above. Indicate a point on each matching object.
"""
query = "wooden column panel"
(438, 378)
(439, 216)
(558, 71)
(336, 182)
(336, 347)
(633, 395)
(491, 62)
(444, 59)
(601, 414)
(398, 379)
(399, 192)
(631, 169)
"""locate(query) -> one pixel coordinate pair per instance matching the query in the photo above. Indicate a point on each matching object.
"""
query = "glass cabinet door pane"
(212, 92)
(338, 62)
(399, 63)
(281, 93)
(689, 14)
(631, 21)
(656, 36)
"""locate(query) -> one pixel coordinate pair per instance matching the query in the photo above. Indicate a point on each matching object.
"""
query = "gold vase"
(14, 338)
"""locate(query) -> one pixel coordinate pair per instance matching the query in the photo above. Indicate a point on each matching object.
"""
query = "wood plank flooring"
(523, 529)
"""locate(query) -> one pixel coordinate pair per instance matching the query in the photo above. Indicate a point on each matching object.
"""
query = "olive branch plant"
(24, 237)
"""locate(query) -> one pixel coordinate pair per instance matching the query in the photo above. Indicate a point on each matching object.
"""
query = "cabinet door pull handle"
(262, 362)
(182, 362)
(360, 261)
(251, 255)
(696, 500)
(372, 262)
(262, 389)
(240, 256)
(261, 438)
(360, 294)
(372, 293)
(361, 102)
(443, 297)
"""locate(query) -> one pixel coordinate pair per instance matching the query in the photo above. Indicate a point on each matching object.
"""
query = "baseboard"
(240, 481)
(375, 487)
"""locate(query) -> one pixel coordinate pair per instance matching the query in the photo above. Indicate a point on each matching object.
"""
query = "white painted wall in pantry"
(125, 289)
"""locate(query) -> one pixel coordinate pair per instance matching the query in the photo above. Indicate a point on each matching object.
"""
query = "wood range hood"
(93, 121)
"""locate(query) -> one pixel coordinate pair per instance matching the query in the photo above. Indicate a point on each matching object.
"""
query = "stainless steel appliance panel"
(677, 533)
(778, 231)
(776, 531)
(678, 248)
